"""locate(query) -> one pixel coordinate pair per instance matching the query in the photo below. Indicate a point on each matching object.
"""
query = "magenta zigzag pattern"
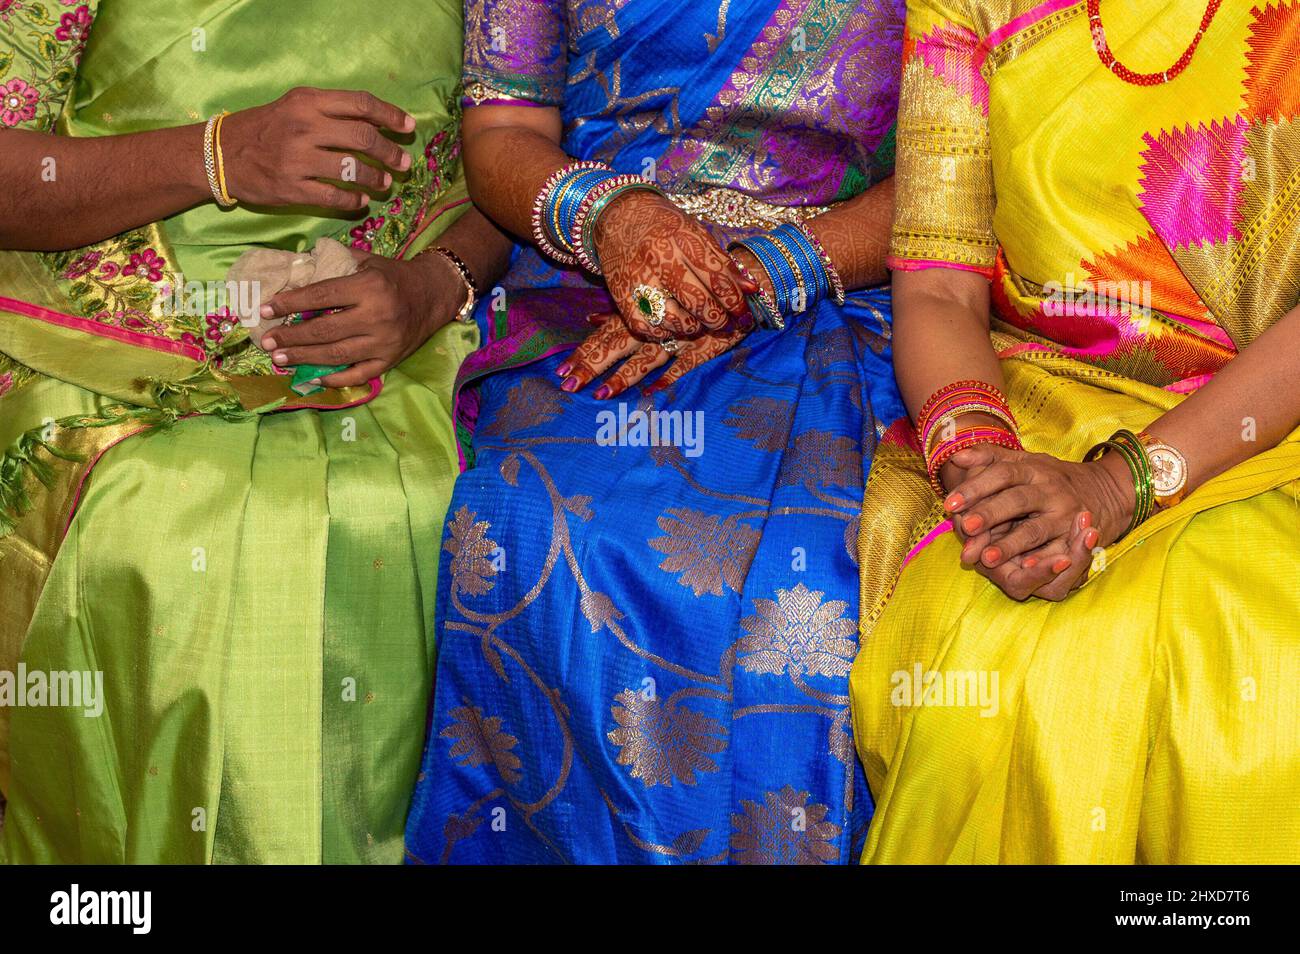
(1191, 182)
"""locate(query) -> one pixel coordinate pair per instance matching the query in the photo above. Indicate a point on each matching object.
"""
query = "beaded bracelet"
(964, 438)
(1129, 447)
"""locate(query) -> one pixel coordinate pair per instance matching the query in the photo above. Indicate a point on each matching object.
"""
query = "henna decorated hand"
(643, 239)
(1027, 520)
(612, 342)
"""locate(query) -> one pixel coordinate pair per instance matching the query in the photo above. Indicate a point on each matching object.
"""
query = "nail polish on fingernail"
(564, 369)
(268, 343)
(602, 392)
(569, 384)
(954, 503)
(973, 523)
(1061, 565)
(1090, 539)
(1085, 520)
(992, 555)
(267, 311)
(1031, 562)
(280, 358)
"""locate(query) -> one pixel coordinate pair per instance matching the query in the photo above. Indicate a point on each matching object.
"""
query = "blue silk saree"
(648, 606)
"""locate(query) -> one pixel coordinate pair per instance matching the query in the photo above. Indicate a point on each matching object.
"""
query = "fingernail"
(1090, 539)
(570, 385)
(591, 319)
(268, 343)
(954, 503)
(388, 180)
(973, 523)
(405, 163)
(280, 358)
(1031, 562)
(408, 124)
(992, 555)
(564, 369)
(602, 392)
(267, 311)
(1085, 520)
(1061, 565)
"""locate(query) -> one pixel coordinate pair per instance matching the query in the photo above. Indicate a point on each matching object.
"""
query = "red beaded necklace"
(1144, 79)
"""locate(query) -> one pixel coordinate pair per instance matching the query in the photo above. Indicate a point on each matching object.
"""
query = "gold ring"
(652, 303)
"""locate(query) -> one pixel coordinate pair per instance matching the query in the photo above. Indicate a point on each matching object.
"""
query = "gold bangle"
(225, 198)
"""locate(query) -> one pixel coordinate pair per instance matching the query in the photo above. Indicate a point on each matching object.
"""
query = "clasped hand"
(1029, 522)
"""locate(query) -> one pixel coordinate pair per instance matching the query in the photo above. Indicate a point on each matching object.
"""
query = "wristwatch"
(1168, 471)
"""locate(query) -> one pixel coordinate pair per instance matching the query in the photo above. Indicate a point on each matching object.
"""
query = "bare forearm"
(58, 192)
(508, 162)
(481, 246)
(855, 236)
(941, 333)
(1249, 406)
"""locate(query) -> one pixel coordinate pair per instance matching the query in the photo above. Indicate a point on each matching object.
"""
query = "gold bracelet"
(210, 160)
(466, 313)
(224, 198)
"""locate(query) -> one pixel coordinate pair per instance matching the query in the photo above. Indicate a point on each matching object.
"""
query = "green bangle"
(1127, 445)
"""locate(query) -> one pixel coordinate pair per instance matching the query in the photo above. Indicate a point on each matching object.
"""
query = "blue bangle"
(810, 263)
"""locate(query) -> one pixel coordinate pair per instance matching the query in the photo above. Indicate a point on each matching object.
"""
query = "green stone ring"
(652, 303)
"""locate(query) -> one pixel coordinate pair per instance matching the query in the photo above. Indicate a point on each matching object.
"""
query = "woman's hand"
(643, 239)
(612, 342)
(292, 151)
(1030, 521)
(388, 309)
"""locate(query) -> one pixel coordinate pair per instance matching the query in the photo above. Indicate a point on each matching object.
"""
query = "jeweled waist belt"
(738, 210)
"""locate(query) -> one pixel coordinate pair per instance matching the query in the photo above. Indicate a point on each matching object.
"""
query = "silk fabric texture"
(1153, 715)
(644, 650)
(257, 589)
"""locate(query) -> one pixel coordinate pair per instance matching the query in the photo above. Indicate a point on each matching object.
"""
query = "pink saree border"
(88, 326)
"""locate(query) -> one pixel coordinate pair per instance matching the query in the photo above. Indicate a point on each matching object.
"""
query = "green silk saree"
(252, 572)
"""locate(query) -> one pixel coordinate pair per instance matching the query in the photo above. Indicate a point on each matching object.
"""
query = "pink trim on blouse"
(1022, 22)
(922, 264)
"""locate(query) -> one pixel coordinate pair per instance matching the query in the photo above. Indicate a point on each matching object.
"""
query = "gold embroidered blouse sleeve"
(944, 177)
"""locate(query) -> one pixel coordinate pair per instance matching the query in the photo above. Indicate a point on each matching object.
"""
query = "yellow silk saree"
(250, 573)
(1136, 238)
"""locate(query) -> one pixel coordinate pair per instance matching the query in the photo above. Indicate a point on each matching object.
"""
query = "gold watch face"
(1168, 469)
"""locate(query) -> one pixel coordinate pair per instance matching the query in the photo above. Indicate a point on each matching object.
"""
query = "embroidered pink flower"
(74, 27)
(6, 379)
(220, 324)
(8, 7)
(83, 266)
(17, 102)
(396, 206)
(147, 264)
(363, 236)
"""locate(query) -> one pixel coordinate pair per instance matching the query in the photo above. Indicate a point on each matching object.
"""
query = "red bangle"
(969, 389)
(964, 438)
